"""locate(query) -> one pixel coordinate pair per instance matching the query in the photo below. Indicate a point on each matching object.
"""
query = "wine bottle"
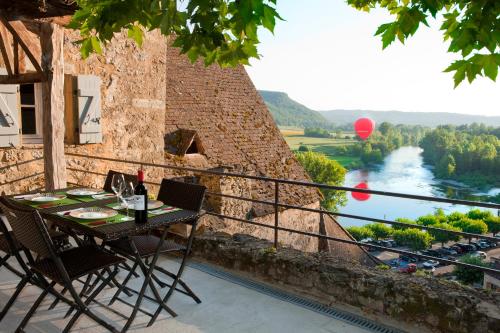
(141, 199)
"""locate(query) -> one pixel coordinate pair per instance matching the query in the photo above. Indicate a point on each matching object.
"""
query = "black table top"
(117, 230)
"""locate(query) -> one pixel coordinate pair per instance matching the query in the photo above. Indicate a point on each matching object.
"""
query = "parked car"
(406, 258)
(466, 247)
(480, 245)
(457, 248)
(479, 254)
(430, 264)
(433, 253)
(410, 268)
(392, 242)
(394, 263)
(447, 251)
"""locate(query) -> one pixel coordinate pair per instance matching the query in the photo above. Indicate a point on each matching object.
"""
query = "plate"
(83, 192)
(93, 213)
(153, 204)
(46, 197)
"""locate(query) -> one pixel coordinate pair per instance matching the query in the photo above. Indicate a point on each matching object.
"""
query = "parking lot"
(394, 260)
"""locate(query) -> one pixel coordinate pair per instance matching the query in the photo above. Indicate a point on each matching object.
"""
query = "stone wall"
(21, 169)
(401, 299)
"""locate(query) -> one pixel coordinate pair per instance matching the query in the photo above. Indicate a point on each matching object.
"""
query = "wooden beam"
(30, 38)
(4, 49)
(16, 57)
(31, 9)
(23, 45)
(52, 40)
(22, 78)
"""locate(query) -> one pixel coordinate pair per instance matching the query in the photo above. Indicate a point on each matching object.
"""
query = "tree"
(493, 223)
(471, 26)
(470, 275)
(316, 132)
(471, 226)
(402, 220)
(476, 214)
(325, 171)
(446, 166)
(442, 236)
(380, 230)
(304, 148)
(360, 233)
(219, 31)
(413, 238)
(428, 220)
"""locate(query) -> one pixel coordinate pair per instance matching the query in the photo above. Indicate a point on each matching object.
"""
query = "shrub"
(477, 214)
(402, 220)
(413, 238)
(493, 223)
(470, 275)
(304, 148)
(428, 220)
(360, 233)
(317, 133)
(380, 230)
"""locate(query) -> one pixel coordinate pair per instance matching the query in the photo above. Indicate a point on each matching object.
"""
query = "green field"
(294, 137)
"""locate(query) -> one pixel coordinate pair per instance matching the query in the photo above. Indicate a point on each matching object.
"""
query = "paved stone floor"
(225, 307)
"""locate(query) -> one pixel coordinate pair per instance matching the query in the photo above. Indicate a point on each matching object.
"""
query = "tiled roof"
(233, 125)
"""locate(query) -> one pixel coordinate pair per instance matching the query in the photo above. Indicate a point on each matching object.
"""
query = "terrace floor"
(226, 307)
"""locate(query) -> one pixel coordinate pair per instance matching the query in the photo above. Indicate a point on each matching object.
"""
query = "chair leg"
(177, 277)
(124, 283)
(13, 298)
(181, 282)
(56, 301)
(32, 310)
(86, 287)
(129, 268)
(83, 307)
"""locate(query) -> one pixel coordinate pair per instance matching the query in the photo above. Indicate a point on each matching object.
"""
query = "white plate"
(83, 192)
(46, 198)
(93, 213)
(153, 204)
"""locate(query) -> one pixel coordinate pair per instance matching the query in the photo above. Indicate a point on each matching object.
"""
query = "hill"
(287, 112)
(430, 119)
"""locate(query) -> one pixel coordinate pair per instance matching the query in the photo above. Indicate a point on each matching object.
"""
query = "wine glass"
(118, 185)
(128, 196)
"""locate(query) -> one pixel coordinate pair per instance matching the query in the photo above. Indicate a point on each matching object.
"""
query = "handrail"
(277, 205)
(301, 183)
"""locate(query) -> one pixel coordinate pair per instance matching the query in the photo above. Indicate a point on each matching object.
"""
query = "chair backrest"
(109, 178)
(182, 195)
(28, 228)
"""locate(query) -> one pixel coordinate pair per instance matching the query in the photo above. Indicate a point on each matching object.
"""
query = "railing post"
(276, 213)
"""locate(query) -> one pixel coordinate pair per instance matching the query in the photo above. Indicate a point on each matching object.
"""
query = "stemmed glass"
(128, 196)
(118, 185)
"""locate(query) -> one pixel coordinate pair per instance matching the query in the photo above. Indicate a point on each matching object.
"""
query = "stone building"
(150, 104)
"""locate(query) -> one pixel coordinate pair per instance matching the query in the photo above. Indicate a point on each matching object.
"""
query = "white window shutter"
(88, 101)
(9, 115)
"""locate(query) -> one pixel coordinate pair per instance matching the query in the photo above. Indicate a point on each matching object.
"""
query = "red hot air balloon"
(360, 196)
(364, 127)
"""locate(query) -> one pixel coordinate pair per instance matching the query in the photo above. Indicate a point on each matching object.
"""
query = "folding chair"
(180, 195)
(12, 248)
(109, 178)
(61, 268)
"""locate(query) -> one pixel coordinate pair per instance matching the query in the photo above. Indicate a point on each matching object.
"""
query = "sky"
(325, 56)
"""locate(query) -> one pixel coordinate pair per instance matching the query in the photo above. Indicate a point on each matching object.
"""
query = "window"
(31, 112)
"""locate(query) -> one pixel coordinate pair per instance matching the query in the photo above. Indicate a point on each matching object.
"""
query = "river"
(403, 171)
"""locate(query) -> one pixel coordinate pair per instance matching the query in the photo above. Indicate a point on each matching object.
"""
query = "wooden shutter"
(9, 115)
(88, 102)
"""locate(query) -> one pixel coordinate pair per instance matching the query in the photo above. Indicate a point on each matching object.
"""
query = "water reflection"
(403, 171)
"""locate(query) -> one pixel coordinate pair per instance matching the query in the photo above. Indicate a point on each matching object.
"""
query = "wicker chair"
(12, 249)
(177, 194)
(61, 268)
(109, 179)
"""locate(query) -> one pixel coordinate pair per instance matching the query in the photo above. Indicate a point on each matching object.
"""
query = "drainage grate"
(299, 301)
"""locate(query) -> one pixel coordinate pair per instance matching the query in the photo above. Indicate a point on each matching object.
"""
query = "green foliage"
(493, 223)
(316, 132)
(304, 148)
(471, 27)
(442, 236)
(383, 267)
(471, 226)
(428, 220)
(403, 220)
(465, 150)
(219, 31)
(325, 171)
(413, 238)
(380, 230)
(287, 112)
(477, 214)
(360, 233)
(470, 275)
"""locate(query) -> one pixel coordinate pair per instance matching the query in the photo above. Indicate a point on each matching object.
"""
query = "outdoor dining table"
(115, 231)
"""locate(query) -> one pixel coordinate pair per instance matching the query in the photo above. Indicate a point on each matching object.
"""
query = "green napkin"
(43, 205)
(99, 223)
(151, 212)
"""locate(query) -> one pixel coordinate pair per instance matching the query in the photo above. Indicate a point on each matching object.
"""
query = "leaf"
(96, 44)
(86, 48)
(459, 76)
(490, 69)
(135, 33)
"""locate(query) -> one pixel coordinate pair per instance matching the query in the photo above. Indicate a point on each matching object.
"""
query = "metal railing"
(277, 205)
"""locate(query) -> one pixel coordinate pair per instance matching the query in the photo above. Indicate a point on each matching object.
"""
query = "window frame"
(38, 137)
